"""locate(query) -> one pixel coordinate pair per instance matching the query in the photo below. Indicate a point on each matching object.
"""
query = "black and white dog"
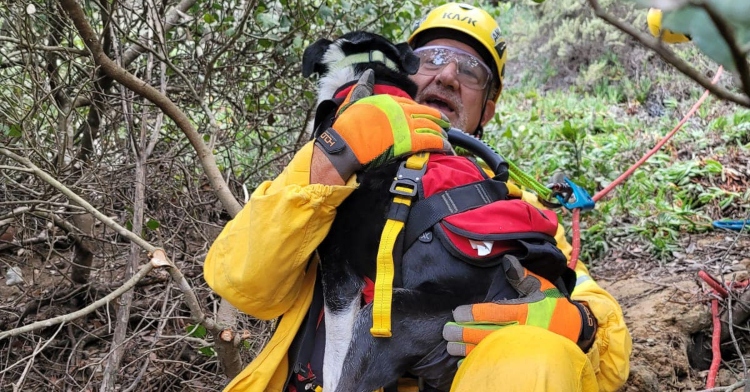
(430, 286)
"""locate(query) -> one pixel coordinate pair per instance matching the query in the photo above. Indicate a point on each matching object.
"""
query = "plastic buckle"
(407, 178)
(582, 198)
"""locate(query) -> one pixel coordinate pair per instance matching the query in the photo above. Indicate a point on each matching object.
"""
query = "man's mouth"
(444, 106)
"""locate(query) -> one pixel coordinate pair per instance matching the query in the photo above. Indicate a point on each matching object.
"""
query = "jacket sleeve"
(610, 353)
(258, 261)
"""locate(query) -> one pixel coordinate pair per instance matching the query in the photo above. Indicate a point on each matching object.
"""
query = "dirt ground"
(666, 304)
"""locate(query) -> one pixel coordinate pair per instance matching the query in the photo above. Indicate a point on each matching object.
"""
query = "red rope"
(719, 291)
(714, 283)
(576, 216)
(576, 238)
(713, 371)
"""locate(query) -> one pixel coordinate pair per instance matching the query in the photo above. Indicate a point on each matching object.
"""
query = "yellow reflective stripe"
(399, 125)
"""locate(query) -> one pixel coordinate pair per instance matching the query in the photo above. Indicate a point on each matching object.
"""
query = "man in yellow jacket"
(263, 261)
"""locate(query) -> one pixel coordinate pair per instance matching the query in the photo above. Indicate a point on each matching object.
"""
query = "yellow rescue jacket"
(262, 263)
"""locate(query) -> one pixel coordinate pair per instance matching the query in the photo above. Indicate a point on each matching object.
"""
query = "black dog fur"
(431, 287)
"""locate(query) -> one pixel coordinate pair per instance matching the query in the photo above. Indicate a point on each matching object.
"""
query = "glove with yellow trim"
(540, 304)
(377, 129)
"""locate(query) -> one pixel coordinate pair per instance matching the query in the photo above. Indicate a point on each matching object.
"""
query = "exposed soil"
(666, 305)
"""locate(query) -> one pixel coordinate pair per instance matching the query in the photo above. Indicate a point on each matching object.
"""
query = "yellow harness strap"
(383, 291)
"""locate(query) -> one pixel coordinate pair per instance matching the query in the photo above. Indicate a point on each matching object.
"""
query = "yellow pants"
(525, 359)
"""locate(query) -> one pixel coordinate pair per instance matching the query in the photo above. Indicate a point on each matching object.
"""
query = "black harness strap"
(302, 349)
(428, 212)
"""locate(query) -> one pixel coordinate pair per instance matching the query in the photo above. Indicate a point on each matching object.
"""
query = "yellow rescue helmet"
(475, 23)
(654, 25)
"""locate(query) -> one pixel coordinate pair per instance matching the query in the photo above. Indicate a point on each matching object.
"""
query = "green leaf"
(207, 351)
(208, 18)
(325, 12)
(196, 331)
(696, 23)
(568, 131)
(153, 224)
(508, 133)
(733, 10)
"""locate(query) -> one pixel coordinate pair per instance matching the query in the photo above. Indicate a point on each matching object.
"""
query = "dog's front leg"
(417, 324)
(341, 291)
(339, 327)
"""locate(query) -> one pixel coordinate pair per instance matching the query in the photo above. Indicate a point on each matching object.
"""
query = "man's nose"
(448, 76)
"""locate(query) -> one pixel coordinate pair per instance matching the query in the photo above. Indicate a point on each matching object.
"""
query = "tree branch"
(657, 46)
(142, 272)
(143, 89)
(727, 33)
(196, 313)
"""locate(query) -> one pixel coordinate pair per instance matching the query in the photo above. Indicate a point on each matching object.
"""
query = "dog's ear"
(409, 61)
(313, 55)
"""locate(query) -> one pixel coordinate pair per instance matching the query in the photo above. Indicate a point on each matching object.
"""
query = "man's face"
(444, 92)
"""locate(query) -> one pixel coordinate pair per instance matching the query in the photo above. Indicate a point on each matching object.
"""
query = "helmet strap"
(479, 132)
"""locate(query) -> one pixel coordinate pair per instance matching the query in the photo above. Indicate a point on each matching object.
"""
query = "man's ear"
(489, 111)
(313, 55)
(409, 61)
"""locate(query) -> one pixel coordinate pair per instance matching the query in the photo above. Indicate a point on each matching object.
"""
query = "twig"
(728, 388)
(138, 378)
(726, 32)
(734, 339)
(196, 313)
(79, 200)
(208, 161)
(35, 352)
(17, 386)
(656, 45)
(143, 271)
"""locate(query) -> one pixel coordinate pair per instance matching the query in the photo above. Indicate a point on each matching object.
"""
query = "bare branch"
(727, 33)
(657, 46)
(78, 200)
(142, 272)
(173, 16)
(728, 388)
(163, 102)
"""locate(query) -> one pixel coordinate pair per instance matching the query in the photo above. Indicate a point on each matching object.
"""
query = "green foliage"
(153, 224)
(200, 332)
(560, 40)
(704, 29)
(591, 139)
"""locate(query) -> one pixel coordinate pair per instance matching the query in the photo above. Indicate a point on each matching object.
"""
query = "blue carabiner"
(582, 198)
(735, 225)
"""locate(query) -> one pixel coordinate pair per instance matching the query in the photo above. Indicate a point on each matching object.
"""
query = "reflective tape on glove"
(377, 129)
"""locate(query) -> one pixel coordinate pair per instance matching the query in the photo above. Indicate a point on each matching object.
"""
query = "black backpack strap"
(301, 351)
(428, 212)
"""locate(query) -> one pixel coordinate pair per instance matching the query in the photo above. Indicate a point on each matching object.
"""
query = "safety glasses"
(471, 72)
